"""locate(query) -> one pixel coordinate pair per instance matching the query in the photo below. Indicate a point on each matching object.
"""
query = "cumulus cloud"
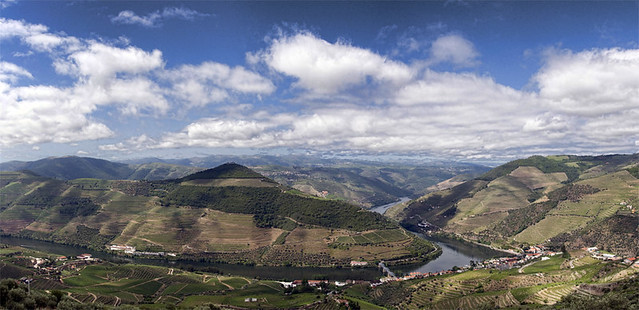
(215, 132)
(210, 82)
(16, 28)
(590, 83)
(12, 72)
(357, 100)
(155, 19)
(443, 113)
(453, 49)
(38, 114)
(99, 63)
(327, 68)
(36, 36)
(128, 78)
(106, 75)
(117, 147)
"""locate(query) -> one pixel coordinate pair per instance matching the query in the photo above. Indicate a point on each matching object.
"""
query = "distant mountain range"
(576, 200)
(365, 183)
(73, 167)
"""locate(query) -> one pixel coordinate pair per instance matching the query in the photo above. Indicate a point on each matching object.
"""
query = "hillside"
(226, 214)
(576, 199)
(73, 167)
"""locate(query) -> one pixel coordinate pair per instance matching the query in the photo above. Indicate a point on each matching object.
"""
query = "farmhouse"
(316, 282)
(84, 256)
(126, 248)
(287, 284)
(355, 263)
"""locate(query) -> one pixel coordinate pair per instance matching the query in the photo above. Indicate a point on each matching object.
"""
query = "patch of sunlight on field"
(550, 227)
(615, 188)
(502, 194)
(196, 229)
(477, 223)
(534, 178)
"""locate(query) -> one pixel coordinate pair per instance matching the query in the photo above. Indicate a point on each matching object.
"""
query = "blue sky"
(455, 80)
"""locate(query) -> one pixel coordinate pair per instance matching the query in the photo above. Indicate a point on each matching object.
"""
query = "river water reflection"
(454, 252)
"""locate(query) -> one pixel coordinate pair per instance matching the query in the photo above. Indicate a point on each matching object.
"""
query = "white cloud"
(133, 96)
(106, 75)
(590, 83)
(155, 19)
(21, 54)
(443, 113)
(36, 36)
(118, 147)
(100, 63)
(7, 3)
(437, 88)
(38, 114)
(11, 72)
(16, 28)
(326, 68)
(355, 100)
(214, 132)
(210, 81)
(454, 49)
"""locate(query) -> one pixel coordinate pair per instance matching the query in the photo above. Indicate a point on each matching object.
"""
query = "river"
(454, 252)
(382, 209)
(263, 272)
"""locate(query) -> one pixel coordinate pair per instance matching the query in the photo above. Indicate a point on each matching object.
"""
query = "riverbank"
(452, 235)
(263, 272)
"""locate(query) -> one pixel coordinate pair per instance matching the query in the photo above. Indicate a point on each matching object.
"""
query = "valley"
(232, 237)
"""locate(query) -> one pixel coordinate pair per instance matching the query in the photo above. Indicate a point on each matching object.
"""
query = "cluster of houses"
(629, 206)
(500, 263)
(503, 263)
(54, 267)
(597, 254)
(532, 253)
(317, 283)
(355, 263)
(127, 249)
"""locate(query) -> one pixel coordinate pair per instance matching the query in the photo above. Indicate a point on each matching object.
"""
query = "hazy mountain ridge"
(368, 184)
(74, 167)
(532, 200)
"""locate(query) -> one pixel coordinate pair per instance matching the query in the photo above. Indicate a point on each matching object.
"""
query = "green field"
(375, 237)
(267, 294)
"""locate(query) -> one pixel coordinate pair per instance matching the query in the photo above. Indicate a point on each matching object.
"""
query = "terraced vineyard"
(551, 295)
(116, 284)
(375, 237)
(500, 300)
